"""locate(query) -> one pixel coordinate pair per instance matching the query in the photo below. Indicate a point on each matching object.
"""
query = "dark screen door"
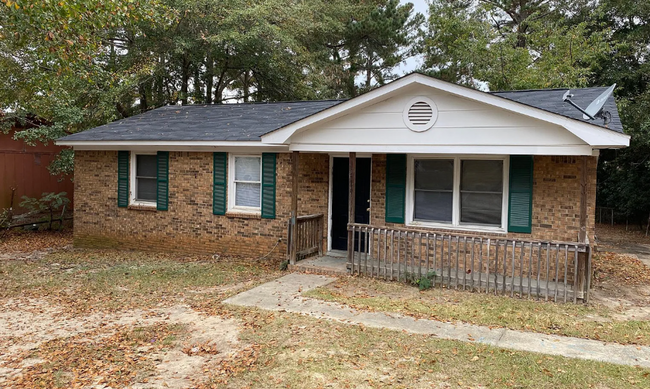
(340, 192)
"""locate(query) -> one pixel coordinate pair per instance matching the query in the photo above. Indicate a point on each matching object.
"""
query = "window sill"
(447, 227)
(143, 207)
(236, 213)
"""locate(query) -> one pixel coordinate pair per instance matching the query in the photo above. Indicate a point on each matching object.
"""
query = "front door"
(340, 192)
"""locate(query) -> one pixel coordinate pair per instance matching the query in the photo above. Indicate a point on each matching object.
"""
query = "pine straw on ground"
(620, 268)
(617, 234)
(28, 241)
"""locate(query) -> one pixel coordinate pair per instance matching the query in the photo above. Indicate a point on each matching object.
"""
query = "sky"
(414, 62)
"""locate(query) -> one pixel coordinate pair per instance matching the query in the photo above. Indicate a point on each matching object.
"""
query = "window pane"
(433, 206)
(145, 165)
(481, 176)
(480, 208)
(247, 195)
(247, 168)
(436, 174)
(146, 189)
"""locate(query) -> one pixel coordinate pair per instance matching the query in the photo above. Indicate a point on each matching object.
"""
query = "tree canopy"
(71, 65)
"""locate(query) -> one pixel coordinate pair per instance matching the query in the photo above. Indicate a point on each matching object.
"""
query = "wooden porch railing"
(309, 236)
(546, 270)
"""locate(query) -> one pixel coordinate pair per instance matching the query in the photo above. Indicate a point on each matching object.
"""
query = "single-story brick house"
(426, 156)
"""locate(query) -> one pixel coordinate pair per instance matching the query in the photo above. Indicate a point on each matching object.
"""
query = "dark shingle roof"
(551, 100)
(249, 121)
(225, 122)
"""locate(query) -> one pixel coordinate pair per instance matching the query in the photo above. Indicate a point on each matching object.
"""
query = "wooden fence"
(309, 235)
(549, 270)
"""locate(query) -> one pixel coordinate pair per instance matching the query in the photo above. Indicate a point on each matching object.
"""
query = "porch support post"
(294, 208)
(351, 205)
(584, 259)
(582, 236)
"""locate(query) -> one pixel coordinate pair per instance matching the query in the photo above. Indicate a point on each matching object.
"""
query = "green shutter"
(122, 178)
(395, 187)
(219, 185)
(162, 190)
(520, 204)
(268, 185)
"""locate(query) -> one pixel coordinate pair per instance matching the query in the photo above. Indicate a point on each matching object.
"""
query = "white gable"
(465, 124)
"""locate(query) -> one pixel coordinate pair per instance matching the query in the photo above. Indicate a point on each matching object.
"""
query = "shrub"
(49, 203)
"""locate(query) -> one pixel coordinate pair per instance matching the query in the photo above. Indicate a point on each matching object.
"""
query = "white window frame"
(132, 183)
(232, 187)
(455, 219)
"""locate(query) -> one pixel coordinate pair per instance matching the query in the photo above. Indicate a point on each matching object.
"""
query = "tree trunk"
(209, 78)
(143, 97)
(185, 79)
(245, 85)
(198, 93)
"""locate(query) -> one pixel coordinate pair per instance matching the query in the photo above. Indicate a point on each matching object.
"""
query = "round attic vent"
(420, 114)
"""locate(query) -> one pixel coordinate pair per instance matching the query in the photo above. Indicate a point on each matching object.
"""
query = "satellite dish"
(595, 109)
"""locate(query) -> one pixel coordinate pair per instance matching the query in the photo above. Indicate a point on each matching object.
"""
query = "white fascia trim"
(171, 145)
(448, 150)
(593, 135)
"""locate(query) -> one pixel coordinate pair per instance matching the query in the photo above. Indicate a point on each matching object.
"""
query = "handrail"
(494, 235)
(309, 236)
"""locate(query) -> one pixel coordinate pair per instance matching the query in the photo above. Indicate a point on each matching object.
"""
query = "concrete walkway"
(283, 294)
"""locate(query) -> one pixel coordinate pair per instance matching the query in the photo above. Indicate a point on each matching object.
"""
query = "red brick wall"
(556, 198)
(189, 225)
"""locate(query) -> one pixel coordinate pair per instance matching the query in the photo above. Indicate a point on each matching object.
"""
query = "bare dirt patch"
(166, 347)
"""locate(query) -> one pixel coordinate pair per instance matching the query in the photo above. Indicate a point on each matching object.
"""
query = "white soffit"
(594, 136)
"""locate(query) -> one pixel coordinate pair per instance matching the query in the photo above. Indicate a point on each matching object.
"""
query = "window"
(434, 189)
(458, 192)
(144, 182)
(246, 188)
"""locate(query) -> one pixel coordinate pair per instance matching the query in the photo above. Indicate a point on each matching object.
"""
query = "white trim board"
(197, 146)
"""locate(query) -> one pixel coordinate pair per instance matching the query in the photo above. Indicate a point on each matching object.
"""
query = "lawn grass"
(303, 352)
(579, 320)
(112, 280)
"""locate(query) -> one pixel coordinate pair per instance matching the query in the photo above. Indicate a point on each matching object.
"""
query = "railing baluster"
(420, 256)
(496, 267)
(521, 270)
(449, 249)
(530, 269)
(487, 278)
(512, 283)
(392, 252)
(399, 252)
(539, 271)
(464, 262)
(505, 266)
(575, 274)
(457, 276)
(435, 253)
(548, 260)
(566, 269)
(471, 259)
(557, 269)
(427, 255)
(480, 263)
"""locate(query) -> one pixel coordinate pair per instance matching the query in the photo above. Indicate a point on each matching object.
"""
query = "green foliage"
(511, 44)
(428, 281)
(49, 203)
(284, 265)
(624, 175)
(73, 65)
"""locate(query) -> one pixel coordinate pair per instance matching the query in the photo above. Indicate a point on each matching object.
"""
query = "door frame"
(330, 191)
